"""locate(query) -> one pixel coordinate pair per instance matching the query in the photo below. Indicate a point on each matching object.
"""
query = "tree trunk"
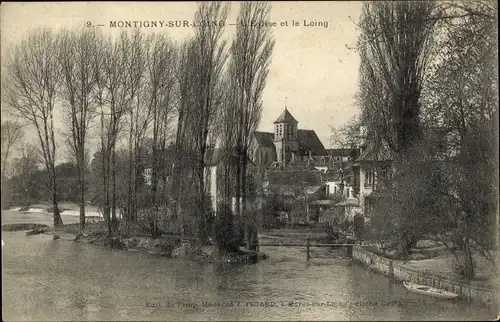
(237, 191)
(202, 224)
(468, 269)
(244, 212)
(114, 221)
(82, 196)
(106, 191)
(57, 215)
(131, 159)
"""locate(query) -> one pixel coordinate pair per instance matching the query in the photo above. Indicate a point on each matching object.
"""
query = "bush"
(225, 231)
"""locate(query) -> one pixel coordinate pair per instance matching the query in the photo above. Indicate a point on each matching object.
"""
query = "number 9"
(89, 24)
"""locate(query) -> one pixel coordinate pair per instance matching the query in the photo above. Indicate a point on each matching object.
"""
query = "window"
(368, 178)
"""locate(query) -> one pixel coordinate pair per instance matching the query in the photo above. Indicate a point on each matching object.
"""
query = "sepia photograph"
(250, 161)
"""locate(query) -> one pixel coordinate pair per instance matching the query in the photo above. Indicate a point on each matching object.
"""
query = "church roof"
(264, 139)
(308, 140)
(285, 117)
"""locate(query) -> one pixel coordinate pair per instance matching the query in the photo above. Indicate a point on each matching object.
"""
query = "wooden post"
(308, 255)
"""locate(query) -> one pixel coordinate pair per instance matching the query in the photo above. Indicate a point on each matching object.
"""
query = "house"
(165, 159)
(375, 167)
(222, 160)
(298, 188)
(372, 168)
(340, 180)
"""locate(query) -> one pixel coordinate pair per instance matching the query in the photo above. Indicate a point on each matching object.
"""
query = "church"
(286, 144)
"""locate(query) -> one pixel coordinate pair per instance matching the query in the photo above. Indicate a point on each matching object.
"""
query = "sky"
(312, 65)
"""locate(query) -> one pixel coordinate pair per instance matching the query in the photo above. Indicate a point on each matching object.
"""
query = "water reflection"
(45, 279)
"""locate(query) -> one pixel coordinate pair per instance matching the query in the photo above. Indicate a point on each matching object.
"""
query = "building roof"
(312, 189)
(323, 202)
(348, 202)
(295, 178)
(308, 140)
(291, 190)
(285, 117)
(382, 152)
(264, 139)
(339, 152)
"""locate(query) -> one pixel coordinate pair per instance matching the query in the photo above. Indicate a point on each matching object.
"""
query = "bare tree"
(114, 97)
(77, 52)
(462, 97)
(251, 56)
(139, 118)
(32, 86)
(161, 58)
(228, 126)
(12, 133)
(158, 96)
(395, 46)
(186, 74)
(209, 60)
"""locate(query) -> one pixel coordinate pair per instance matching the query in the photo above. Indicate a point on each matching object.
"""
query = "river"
(45, 279)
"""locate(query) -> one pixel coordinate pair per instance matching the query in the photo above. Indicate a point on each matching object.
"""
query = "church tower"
(285, 136)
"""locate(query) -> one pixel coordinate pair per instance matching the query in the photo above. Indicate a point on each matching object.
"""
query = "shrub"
(225, 230)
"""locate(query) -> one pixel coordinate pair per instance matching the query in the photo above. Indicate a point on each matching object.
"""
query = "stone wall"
(398, 271)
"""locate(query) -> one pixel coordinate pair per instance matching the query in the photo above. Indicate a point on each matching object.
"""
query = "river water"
(45, 279)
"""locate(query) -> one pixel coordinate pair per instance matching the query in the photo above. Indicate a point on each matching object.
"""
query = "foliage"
(226, 236)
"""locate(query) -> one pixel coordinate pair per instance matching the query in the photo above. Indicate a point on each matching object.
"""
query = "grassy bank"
(134, 238)
(22, 226)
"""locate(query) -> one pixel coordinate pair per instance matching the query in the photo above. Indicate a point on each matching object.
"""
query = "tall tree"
(160, 79)
(462, 97)
(395, 47)
(210, 56)
(139, 118)
(33, 82)
(251, 53)
(77, 52)
(113, 96)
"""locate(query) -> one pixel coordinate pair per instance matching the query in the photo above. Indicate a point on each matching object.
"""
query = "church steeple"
(285, 135)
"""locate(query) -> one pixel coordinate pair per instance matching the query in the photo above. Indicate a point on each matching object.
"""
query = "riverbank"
(434, 272)
(170, 246)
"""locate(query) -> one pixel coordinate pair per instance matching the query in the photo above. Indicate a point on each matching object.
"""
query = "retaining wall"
(398, 271)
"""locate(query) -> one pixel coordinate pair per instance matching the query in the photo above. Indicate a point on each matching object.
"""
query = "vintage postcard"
(258, 161)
